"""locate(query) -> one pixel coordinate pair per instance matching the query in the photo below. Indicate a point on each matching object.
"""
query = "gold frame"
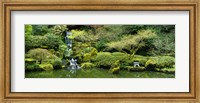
(8, 6)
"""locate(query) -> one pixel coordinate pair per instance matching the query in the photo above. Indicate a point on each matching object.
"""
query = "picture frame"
(119, 5)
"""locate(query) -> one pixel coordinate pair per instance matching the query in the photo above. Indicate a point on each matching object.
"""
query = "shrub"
(30, 60)
(141, 59)
(150, 64)
(87, 57)
(87, 65)
(57, 64)
(41, 54)
(106, 59)
(115, 67)
(32, 67)
(46, 67)
(48, 41)
(165, 62)
(115, 70)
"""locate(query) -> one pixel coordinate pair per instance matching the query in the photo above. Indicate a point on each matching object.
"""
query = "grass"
(96, 73)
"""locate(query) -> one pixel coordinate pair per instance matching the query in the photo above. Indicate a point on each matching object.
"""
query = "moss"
(87, 65)
(46, 67)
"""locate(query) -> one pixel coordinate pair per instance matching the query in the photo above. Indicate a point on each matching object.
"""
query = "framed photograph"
(100, 50)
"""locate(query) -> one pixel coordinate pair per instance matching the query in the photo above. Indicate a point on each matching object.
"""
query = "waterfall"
(73, 62)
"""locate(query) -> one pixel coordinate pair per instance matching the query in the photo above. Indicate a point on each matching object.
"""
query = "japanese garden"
(99, 51)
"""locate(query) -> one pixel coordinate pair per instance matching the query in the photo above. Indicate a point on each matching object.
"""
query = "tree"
(40, 54)
(131, 43)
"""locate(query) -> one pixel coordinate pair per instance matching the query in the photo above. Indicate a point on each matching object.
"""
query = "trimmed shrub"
(150, 64)
(41, 54)
(165, 62)
(141, 59)
(87, 65)
(46, 67)
(86, 57)
(106, 59)
(57, 64)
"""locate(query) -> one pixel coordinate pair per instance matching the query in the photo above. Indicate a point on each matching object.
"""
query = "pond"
(97, 73)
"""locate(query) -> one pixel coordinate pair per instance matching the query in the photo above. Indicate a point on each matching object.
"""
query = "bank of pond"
(103, 65)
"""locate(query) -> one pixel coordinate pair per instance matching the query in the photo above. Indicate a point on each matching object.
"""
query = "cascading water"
(73, 62)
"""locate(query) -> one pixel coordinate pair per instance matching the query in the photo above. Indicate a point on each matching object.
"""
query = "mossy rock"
(46, 67)
(30, 60)
(87, 65)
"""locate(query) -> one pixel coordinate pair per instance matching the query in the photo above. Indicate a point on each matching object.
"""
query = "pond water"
(96, 73)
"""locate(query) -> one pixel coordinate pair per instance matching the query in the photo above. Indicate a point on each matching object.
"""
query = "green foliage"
(39, 29)
(115, 70)
(76, 33)
(106, 59)
(141, 59)
(165, 62)
(87, 57)
(32, 67)
(87, 65)
(133, 29)
(57, 64)
(28, 29)
(46, 67)
(48, 41)
(131, 43)
(101, 45)
(62, 51)
(30, 60)
(150, 64)
(41, 54)
(58, 30)
(160, 62)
